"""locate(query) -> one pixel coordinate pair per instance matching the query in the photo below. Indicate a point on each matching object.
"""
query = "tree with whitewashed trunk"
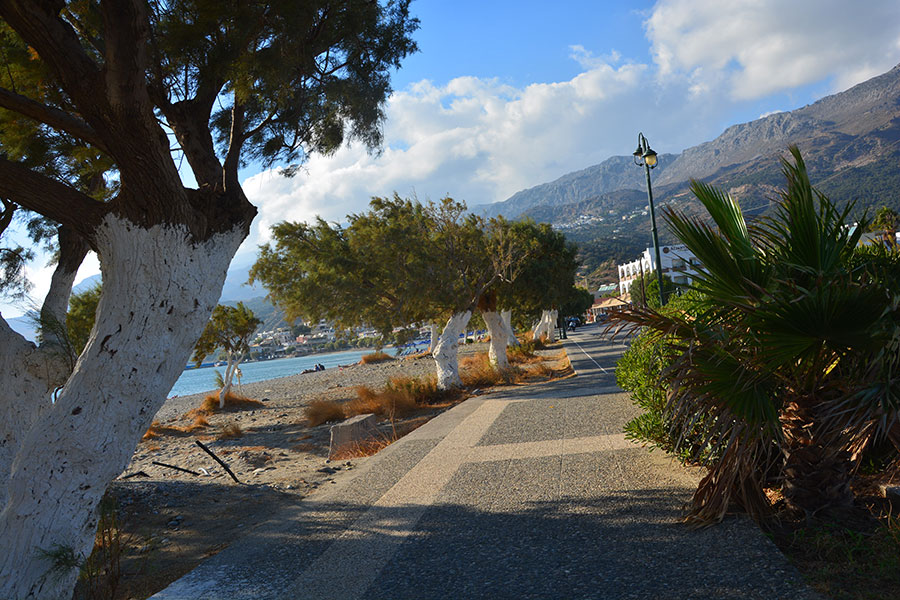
(229, 328)
(104, 89)
(399, 263)
(542, 281)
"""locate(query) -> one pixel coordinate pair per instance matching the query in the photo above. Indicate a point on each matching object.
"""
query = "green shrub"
(640, 372)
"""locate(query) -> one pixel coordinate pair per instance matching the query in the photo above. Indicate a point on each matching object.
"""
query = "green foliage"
(401, 262)
(368, 273)
(645, 291)
(545, 276)
(788, 347)
(885, 219)
(81, 315)
(229, 328)
(307, 75)
(641, 372)
(577, 303)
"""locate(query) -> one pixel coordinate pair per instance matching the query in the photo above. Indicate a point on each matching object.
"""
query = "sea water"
(194, 381)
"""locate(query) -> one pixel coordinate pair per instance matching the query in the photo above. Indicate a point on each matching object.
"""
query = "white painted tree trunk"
(435, 332)
(541, 329)
(497, 349)
(234, 361)
(547, 325)
(159, 289)
(445, 353)
(511, 339)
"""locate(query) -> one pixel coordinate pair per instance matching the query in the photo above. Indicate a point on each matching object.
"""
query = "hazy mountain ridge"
(609, 176)
(846, 140)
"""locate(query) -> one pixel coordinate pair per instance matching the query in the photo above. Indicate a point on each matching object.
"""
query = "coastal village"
(379, 299)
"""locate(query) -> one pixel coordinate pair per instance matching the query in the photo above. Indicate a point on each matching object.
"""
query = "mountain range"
(849, 141)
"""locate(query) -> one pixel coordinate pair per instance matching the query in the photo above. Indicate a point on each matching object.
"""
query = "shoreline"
(334, 383)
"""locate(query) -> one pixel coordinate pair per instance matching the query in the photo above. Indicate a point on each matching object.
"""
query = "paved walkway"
(532, 492)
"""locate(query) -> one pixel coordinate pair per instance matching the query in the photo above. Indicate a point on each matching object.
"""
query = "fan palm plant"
(786, 362)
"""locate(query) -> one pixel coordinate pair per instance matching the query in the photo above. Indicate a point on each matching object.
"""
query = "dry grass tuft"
(476, 370)
(362, 448)
(233, 402)
(323, 411)
(521, 355)
(400, 397)
(157, 429)
(199, 422)
(375, 357)
(230, 431)
(540, 371)
(152, 432)
(388, 402)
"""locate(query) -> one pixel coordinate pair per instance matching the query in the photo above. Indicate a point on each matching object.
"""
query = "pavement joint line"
(590, 357)
(363, 548)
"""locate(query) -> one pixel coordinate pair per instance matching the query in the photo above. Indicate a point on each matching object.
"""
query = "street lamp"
(645, 157)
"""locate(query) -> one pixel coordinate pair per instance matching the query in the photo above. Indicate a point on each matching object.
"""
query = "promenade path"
(530, 492)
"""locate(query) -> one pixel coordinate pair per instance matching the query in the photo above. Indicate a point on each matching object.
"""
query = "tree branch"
(236, 140)
(126, 29)
(58, 45)
(54, 117)
(50, 198)
(72, 250)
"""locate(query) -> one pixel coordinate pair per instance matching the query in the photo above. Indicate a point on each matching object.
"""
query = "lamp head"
(650, 157)
(638, 154)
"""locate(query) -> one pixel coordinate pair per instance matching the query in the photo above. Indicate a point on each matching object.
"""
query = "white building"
(677, 263)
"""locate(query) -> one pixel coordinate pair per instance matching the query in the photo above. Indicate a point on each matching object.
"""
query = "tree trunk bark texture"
(511, 338)
(159, 289)
(497, 349)
(445, 353)
(817, 470)
(434, 330)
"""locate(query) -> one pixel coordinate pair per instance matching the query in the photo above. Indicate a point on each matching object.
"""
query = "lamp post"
(645, 157)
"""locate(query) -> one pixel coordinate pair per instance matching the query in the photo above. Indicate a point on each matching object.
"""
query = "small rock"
(328, 470)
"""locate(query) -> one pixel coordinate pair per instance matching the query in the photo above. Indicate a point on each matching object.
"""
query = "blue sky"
(505, 95)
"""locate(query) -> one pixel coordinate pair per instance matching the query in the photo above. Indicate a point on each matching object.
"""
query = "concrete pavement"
(530, 492)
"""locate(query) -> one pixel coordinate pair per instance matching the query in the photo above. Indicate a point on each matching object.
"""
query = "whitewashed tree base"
(159, 289)
(498, 332)
(446, 351)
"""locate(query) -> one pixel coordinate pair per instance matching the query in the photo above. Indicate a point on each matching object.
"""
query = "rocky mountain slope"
(849, 140)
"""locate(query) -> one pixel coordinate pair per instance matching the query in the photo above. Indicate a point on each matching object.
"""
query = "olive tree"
(131, 87)
(229, 328)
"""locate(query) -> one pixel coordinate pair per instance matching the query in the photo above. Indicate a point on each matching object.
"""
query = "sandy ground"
(170, 520)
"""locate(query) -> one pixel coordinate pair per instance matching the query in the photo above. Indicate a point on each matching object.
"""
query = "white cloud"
(481, 141)
(757, 47)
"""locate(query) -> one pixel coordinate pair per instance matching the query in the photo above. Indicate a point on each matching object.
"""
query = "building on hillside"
(606, 289)
(677, 263)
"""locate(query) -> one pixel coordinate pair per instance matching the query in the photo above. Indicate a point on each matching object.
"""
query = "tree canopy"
(101, 103)
(229, 328)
